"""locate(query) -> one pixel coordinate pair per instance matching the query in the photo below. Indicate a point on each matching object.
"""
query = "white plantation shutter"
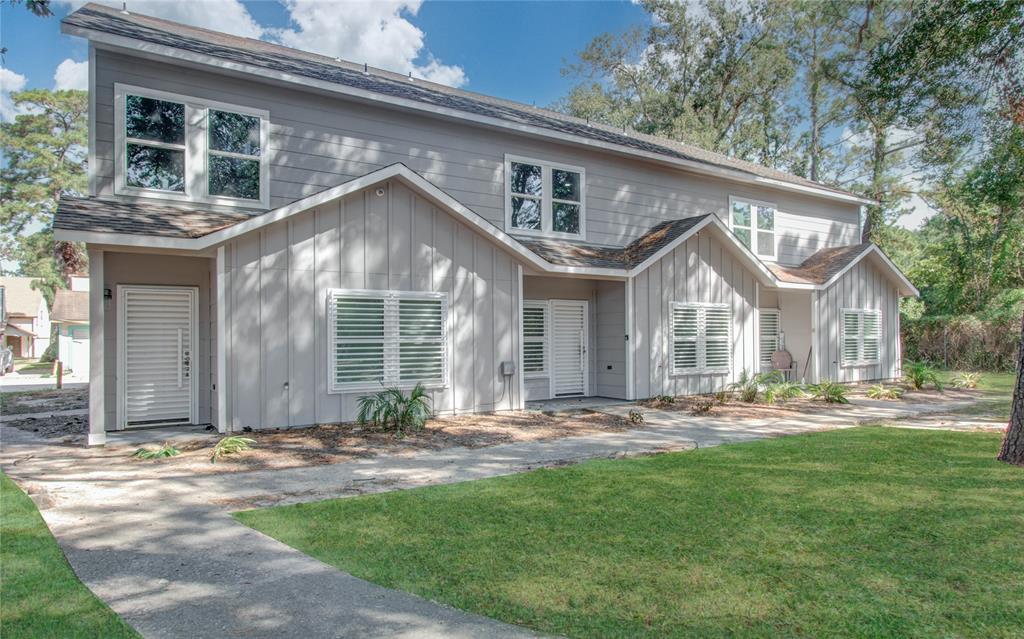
(861, 336)
(701, 338)
(387, 338)
(535, 338)
(769, 336)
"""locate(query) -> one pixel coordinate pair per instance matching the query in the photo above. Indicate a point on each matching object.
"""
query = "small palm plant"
(230, 445)
(881, 391)
(393, 409)
(167, 450)
(829, 392)
(967, 380)
(781, 391)
(748, 386)
(918, 375)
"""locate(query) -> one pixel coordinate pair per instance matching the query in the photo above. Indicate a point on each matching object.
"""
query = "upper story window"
(753, 223)
(543, 198)
(176, 147)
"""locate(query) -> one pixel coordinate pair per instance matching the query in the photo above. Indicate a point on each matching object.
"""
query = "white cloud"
(377, 33)
(10, 82)
(228, 16)
(71, 75)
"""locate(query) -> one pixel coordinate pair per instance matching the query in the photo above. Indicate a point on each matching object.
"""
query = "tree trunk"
(1012, 451)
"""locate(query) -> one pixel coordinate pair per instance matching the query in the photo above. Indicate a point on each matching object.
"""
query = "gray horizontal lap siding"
(698, 270)
(863, 286)
(277, 281)
(319, 141)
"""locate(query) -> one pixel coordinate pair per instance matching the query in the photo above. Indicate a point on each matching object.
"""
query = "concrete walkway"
(167, 556)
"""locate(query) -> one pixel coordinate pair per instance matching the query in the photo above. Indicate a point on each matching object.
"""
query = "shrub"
(230, 445)
(967, 380)
(702, 406)
(988, 341)
(393, 409)
(721, 398)
(167, 450)
(781, 391)
(829, 392)
(748, 386)
(918, 375)
(881, 391)
(665, 399)
(636, 416)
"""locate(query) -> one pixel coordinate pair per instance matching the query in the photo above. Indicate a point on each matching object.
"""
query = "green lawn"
(40, 596)
(867, 532)
(998, 388)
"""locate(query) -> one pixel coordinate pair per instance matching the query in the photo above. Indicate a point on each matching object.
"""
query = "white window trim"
(196, 149)
(546, 305)
(701, 368)
(547, 209)
(753, 226)
(390, 334)
(778, 332)
(860, 361)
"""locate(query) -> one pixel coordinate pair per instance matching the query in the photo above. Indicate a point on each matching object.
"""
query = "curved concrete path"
(167, 556)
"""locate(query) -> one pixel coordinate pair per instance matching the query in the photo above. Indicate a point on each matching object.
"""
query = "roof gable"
(20, 298)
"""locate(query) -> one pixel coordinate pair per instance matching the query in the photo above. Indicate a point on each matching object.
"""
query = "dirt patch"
(710, 405)
(42, 401)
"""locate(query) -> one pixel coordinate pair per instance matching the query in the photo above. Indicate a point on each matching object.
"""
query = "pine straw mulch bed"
(709, 406)
(43, 401)
(336, 443)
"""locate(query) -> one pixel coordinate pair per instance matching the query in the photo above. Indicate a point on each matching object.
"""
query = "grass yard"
(866, 532)
(40, 596)
(998, 388)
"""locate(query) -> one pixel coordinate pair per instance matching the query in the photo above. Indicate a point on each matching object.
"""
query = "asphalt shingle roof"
(70, 306)
(108, 216)
(819, 267)
(569, 253)
(275, 57)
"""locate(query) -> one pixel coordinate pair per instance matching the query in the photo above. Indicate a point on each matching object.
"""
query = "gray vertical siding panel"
(699, 270)
(278, 282)
(863, 286)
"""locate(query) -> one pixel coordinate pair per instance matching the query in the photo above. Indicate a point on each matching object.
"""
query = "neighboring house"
(273, 234)
(71, 315)
(26, 317)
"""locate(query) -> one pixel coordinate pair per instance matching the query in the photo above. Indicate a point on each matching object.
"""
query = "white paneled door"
(569, 351)
(156, 355)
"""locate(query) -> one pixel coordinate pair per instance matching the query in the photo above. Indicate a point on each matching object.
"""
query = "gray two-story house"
(273, 234)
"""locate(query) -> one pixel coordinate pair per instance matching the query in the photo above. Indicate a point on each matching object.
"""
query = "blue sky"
(479, 38)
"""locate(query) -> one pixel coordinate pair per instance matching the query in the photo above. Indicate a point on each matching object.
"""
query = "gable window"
(176, 147)
(535, 338)
(753, 223)
(382, 339)
(544, 198)
(861, 336)
(701, 338)
(770, 336)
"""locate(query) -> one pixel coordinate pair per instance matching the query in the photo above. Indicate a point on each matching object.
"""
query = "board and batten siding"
(864, 286)
(277, 281)
(318, 141)
(698, 270)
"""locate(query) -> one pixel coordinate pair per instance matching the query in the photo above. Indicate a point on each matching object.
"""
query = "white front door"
(156, 355)
(569, 351)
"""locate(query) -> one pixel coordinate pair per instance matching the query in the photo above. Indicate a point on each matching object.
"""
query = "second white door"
(569, 351)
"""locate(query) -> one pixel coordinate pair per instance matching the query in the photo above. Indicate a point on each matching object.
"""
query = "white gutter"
(136, 47)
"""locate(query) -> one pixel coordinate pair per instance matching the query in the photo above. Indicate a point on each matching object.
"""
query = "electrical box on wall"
(508, 368)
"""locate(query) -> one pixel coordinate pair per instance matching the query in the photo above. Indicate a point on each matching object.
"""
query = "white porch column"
(628, 339)
(222, 342)
(97, 399)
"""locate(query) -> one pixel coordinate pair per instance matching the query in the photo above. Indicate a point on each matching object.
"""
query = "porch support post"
(816, 341)
(97, 349)
(222, 342)
(628, 342)
(518, 323)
